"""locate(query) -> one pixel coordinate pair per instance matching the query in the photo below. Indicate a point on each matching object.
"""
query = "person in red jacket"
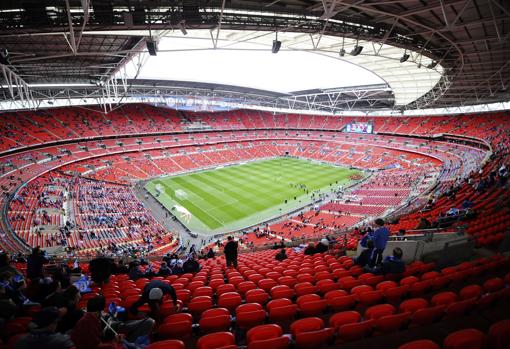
(87, 334)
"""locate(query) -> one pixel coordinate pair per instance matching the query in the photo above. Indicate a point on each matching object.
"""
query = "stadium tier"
(63, 148)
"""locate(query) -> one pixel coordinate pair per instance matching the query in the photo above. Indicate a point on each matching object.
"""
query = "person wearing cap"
(42, 333)
(163, 287)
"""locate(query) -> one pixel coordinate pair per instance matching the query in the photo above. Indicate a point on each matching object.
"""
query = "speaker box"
(152, 47)
(276, 46)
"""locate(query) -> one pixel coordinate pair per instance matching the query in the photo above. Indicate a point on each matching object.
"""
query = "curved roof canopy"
(56, 50)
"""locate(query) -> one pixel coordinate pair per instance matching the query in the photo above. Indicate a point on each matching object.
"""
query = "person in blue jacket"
(380, 238)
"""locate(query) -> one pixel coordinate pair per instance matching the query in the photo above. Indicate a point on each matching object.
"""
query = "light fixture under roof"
(404, 57)
(276, 44)
(356, 50)
(432, 65)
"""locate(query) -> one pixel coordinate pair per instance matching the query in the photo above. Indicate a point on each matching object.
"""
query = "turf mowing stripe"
(223, 196)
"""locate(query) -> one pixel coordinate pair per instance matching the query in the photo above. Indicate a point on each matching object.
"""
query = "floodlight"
(356, 50)
(342, 52)
(432, 65)
(276, 46)
(404, 57)
(182, 27)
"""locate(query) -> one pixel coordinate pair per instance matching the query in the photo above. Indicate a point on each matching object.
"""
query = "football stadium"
(287, 174)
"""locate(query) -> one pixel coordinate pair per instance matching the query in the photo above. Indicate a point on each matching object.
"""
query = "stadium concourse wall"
(270, 220)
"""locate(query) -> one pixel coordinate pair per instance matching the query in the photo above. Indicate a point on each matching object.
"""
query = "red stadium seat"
(470, 291)
(420, 344)
(257, 296)
(493, 285)
(413, 305)
(342, 303)
(249, 315)
(499, 337)
(459, 308)
(343, 318)
(355, 331)
(282, 291)
(427, 316)
(266, 336)
(209, 324)
(392, 323)
(394, 295)
(167, 344)
(230, 300)
(310, 333)
(379, 310)
(464, 339)
(217, 340)
(444, 298)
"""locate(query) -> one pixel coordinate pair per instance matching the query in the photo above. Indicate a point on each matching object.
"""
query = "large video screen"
(359, 127)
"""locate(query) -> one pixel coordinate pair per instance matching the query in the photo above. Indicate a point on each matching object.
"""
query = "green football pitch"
(230, 198)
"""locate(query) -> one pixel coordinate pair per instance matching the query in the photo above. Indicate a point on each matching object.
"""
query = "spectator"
(310, 249)
(42, 333)
(5, 265)
(281, 256)
(322, 246)
(35, 263)
(135, 272)
(100, 269)
(391, 264)
(176, 266)
(230, 251)
(424, 224)
(366, 255)
(165, 289)
(87, 334)
(380, 237)
(191, 265)
(164, 270)
(210, 253)
(68, 300)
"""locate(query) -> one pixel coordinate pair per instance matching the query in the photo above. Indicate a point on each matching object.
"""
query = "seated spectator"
(280, 256)
(366, 255)
(424, 224)
(5, 265)
(390, 265)
(88, 332)
(68, 300)
(322, 246)
(191, 265)
(210, 253)
(176, 266)
(164, 270)
(135, 272)
(42, 333)
(165, 289)
(310, 249)
(467, 204)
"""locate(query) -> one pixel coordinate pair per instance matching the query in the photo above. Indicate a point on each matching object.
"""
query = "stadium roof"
(458, 50)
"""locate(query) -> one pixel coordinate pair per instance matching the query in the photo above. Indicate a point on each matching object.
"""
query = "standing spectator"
(35, 264)
(380, 237)
(230, 251)
(42, 333)
(210, 253)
